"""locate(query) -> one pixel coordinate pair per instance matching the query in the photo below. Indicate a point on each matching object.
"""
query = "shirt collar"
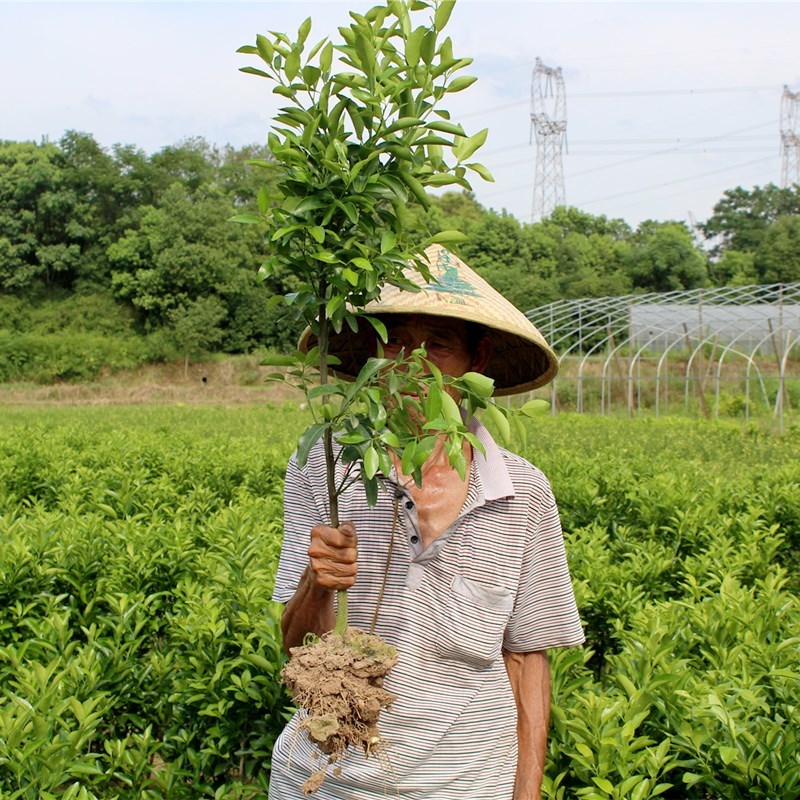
(491, 466)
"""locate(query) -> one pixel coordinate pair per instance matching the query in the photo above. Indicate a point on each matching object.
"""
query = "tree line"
(147, 238)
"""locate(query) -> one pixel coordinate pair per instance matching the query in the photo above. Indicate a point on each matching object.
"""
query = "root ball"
(339, 681)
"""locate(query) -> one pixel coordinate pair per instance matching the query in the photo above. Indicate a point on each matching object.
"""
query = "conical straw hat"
(521, 359)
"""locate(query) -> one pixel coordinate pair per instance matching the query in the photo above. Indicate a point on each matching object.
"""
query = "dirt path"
(220, 382)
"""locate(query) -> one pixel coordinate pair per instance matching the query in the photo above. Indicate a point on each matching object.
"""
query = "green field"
(139, 650)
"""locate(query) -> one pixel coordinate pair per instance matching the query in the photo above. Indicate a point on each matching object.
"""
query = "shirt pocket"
(472, 618)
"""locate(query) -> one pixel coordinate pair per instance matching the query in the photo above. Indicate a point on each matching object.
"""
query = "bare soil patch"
(230, 381)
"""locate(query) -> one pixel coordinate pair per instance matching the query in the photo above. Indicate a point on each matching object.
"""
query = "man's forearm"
(529, 675)
(309, 611)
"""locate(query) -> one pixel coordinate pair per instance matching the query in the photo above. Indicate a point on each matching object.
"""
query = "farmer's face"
(445, 342)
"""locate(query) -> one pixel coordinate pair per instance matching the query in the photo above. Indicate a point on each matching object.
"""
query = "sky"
(667, 104)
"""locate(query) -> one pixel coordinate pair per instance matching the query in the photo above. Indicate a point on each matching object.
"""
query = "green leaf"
(446, 127)
(443, 12)
(371, 491)
(500, 421)
(264, 48)
(520, 429)
(318, 234)
(285, 231)
(481, 385)
(433, 402)
(403, 123)
(728, 754)
(481, 170)
(460, 83)
(248, 49)
(316, 48)
(417, 189)
(534, 408)
(466, 148)
(409, 455)
(247, 219)
(326, 58)
(334, 304)
(604, 784)
(310, 437)
(442, 179)
(388, 241)
(325, 256)
(303, 31)
(413, 43)
(371, 462)
(450, 409)
(448, 237)
(427, 47)
(350, 276)
(259, 661)
(310, 75)
(254, 71)
(292, 66)
(278, 360)
(325, 389)
(379, 327)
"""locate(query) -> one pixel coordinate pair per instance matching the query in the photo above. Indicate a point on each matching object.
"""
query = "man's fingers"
(333, 555)
(336, 555)
(341, 538)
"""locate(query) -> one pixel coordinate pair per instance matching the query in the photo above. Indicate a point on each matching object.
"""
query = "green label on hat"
(450, 281)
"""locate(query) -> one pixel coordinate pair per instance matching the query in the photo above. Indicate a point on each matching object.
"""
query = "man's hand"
(332, 565)
(332, 556)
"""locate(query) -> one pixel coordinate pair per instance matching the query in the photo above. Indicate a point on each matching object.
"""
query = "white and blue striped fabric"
(496, 579)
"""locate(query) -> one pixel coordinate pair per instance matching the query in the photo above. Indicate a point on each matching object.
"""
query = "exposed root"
(339, 681)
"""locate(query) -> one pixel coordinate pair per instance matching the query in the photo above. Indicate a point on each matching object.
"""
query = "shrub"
(139, 650)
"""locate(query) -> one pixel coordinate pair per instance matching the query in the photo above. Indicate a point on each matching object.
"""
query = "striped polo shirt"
(496, 579)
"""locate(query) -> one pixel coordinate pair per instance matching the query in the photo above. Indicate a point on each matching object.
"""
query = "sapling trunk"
(340, 626)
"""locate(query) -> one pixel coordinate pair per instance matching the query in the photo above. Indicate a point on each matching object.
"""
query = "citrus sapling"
(360, 138)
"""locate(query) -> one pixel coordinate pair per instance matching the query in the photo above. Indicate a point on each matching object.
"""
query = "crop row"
(139, 649)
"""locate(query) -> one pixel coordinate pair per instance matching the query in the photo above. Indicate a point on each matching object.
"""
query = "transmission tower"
(790, 139)
(549, 124)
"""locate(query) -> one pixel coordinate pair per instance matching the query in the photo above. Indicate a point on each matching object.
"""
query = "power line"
(578, 142)
(679, 149)
(665, 92)
(643, 189)
(678, 180)
(668, 150)
(647, 93)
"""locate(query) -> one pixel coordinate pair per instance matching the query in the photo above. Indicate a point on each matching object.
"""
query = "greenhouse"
(726, 351)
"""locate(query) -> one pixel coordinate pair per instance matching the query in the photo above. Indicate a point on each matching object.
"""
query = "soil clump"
(338, 679)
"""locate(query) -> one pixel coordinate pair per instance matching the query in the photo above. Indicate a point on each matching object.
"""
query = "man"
(476, 581)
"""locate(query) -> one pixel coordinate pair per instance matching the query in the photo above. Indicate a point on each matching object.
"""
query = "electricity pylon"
(549, 124)
(790, 140)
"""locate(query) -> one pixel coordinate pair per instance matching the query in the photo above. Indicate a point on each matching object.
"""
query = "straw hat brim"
(521, 359)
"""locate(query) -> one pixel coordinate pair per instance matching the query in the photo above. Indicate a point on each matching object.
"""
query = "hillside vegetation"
(115, 258)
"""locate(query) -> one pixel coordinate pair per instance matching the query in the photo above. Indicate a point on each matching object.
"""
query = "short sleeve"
(300, 515)
(545, 614)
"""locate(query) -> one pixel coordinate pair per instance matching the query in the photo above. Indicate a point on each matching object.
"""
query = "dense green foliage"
(139, 650)
(146, 235)
(128, 247)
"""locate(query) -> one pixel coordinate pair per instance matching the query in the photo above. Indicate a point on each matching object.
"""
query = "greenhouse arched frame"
(722, 351)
